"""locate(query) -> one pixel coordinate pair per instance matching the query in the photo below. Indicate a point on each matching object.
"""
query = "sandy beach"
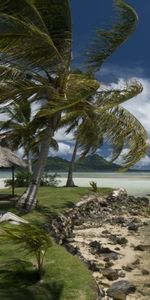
(112, 236)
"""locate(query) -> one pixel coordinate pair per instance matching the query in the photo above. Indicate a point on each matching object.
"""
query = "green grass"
(66, 277)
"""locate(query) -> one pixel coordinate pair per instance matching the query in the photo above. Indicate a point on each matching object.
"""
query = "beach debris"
(12, 218)
(119, 193)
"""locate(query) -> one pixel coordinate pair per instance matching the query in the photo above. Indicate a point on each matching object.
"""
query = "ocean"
(136, 183)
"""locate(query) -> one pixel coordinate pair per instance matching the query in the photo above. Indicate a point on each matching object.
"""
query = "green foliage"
(31, 239)
(49, 180)
(22, 179)
(107, 41)
(35, 41)
(93, 185)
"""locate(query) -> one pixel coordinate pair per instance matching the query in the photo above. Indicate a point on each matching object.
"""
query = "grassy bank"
(66, 277)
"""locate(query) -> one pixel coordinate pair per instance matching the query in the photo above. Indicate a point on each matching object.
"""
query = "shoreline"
(137, 186)
(112, 236)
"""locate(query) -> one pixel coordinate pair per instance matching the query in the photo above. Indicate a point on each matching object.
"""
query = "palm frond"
(107, 41)
(80, 86)
(123, 130)
(30, 39)
(111, 98)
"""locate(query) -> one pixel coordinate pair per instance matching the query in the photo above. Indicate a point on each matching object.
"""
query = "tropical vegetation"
(65, 276)
(31, 239)
(36, 53)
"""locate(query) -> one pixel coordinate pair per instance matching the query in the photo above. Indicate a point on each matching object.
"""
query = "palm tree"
(109, 122)
(18, 128)
(35, 45)
(22, 130)
(32, 239)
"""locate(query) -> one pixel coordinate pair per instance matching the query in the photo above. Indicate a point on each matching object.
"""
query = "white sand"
(2, 184)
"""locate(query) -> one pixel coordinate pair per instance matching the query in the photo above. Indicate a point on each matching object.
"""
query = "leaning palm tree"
(109, 122)
(35, 45)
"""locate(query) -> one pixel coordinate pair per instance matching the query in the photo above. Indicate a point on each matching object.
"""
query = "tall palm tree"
(109, 121)
(35, 45)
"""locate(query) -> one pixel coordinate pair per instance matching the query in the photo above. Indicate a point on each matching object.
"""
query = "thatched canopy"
(9, 159)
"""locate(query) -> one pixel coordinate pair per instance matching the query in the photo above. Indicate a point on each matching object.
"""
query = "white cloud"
(140, 105)
(145, 161)
(64, 150)
(60, 135)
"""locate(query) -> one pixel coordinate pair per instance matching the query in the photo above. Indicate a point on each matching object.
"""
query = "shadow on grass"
(55, 209)
(46, 211)
(7, 202)
(17, 283)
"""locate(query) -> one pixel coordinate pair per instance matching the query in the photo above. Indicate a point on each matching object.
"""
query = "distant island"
(91, 163)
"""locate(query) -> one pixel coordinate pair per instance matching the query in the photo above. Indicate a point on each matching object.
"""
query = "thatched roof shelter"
(8, 159)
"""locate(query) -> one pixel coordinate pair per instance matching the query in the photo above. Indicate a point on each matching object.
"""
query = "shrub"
(22, 179)
(93, 184)
(49, 180)
(31, 239)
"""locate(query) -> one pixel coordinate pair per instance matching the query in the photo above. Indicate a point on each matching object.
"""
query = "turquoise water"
(135, 183)
(5, 174)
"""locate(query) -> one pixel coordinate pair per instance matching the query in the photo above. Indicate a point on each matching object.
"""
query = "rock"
(123, 286)
(111, 274)
(145, 272)
(119, 296)
(147, 284)
(122, 274)
(120, 240)
(101, 293)
(145, 223)
(92, 266)
(133, 226)
(144, 200)
(139, 248)
(113, 256)
(105, 232)
(102, 201)
(109, 264)
(136, 220)
(119, 220)
(117, 248)
(86, 201)
(72, 249)
(97, 248)
(106, 259)
(128, 268)
(120, 193)
(136, 262)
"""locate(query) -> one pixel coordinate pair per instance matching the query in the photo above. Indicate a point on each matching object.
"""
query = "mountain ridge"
(90, 163)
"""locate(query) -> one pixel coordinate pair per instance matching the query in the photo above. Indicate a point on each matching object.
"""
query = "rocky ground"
(112, 236)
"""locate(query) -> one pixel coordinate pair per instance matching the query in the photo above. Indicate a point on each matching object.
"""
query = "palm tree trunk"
(70, 182)
(28, 200)
(29, 162)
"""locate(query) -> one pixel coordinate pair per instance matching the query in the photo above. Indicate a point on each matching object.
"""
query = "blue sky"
(89, 15)
(131, 60)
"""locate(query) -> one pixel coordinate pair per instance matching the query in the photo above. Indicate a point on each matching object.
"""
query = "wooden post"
(13, 180)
